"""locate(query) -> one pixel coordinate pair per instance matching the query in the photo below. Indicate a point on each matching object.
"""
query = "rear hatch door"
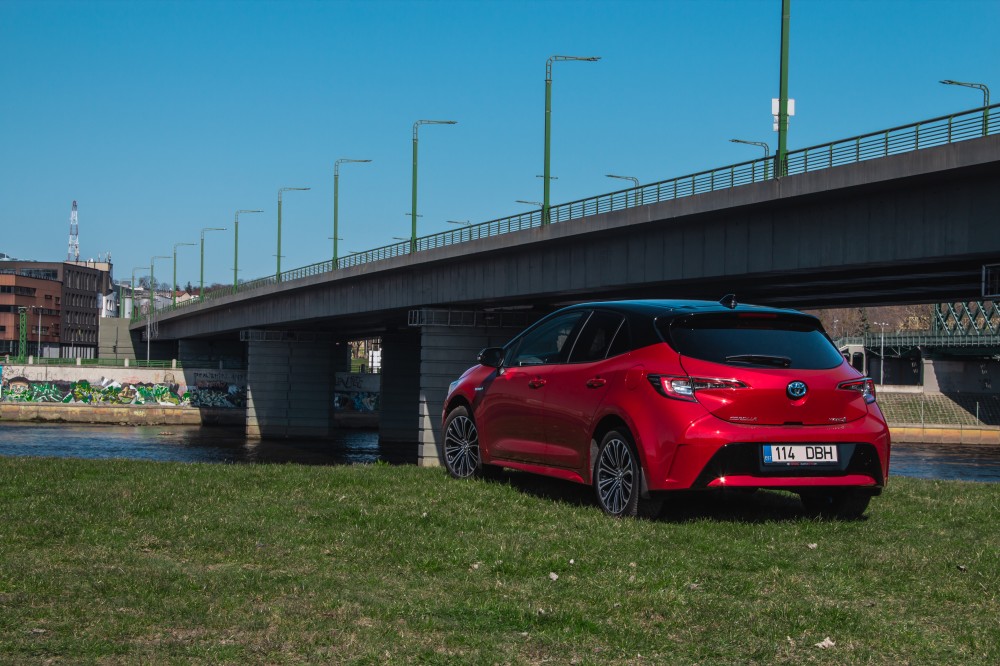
(788, 366)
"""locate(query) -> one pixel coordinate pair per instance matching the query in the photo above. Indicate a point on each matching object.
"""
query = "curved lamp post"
(635, 182)
(986, 99)
(173, 288)
(277, 274)
(201, 281)
(767, 151)
(413, 188)
(881, 356)
(137, 268)
(336, 190)
(236, 246)
(548, 125)
(152, 281)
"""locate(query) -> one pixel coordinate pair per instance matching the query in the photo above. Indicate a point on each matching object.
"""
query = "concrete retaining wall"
(105, 386)
(930, 434)
(134, 415)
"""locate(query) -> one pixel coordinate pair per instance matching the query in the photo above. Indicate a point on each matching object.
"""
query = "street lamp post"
(881, 367)
(173, 288)
(635, 181)
(767, 152)
(986, 99)
(336, 195)
(201, 281)
(277, 274)
(781, 168)
(413, 188)
(152, 303)
(546, 173)
(152, 280)
(236, 246)
(132, 298)
(462, 223)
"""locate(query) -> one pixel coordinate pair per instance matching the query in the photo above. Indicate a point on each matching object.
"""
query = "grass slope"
(134, 563)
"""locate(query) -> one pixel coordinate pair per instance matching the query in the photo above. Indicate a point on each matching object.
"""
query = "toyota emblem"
(797, 390)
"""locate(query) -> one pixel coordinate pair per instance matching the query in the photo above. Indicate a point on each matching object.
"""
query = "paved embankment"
(121, 414)
(945, 434)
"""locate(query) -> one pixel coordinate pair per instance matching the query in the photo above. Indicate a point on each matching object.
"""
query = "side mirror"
(491, 357)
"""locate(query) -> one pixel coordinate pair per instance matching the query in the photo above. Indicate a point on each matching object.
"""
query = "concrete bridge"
(917, 226)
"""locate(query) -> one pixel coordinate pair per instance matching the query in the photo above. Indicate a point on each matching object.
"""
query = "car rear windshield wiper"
(760, 359)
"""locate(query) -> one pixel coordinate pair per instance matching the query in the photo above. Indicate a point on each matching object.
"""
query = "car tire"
(461, 445)
(618, 478)
(843, 504)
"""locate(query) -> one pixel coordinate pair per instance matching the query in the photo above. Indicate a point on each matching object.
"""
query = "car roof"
(668, 307)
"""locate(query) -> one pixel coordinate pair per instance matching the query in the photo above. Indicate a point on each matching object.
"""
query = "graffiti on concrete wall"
(20, 389)
(357, 393)
(113, 392)
(217, 388)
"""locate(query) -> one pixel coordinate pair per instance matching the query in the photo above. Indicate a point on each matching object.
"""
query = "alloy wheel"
(461, 447)
(615, 476)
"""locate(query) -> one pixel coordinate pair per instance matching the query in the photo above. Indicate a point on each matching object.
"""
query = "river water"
(223, 445)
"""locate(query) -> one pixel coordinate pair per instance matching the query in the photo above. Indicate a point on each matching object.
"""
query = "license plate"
(800, 454)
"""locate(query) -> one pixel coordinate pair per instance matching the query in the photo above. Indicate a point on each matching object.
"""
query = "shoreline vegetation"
(132, 562)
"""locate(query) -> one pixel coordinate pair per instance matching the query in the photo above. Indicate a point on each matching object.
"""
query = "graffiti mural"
(20, 389)
(357, 393)
(111, 392)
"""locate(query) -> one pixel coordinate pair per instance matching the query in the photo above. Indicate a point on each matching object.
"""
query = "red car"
(639, 398)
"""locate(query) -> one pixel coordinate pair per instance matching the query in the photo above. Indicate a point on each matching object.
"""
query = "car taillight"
(682, 387)
(865, 386)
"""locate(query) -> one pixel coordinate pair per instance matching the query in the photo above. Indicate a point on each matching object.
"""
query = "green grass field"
(129, 562)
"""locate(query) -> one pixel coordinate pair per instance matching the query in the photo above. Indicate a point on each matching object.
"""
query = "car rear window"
(752, 340)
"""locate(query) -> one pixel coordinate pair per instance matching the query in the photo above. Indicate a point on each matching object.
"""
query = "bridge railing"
(938, 131)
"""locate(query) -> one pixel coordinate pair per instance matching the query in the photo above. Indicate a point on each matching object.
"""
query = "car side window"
(622, 342)
(550, 342)
(596, 337)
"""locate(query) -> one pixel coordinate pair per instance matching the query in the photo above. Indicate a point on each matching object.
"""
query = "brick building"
(65, 296)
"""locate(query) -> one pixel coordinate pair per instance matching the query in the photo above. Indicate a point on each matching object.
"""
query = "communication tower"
(74, 237)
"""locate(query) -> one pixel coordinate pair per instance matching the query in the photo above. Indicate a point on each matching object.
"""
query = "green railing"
(107, 362)
(939, 131)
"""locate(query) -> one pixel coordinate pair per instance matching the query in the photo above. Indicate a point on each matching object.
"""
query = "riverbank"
(132, 563)
(140, 415)
(946, 434)
(132, 415)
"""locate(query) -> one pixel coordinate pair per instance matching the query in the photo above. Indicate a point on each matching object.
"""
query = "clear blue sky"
(162, 118)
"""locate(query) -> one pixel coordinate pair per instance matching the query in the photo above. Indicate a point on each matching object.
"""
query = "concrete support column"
(445, 353)
(289, 389)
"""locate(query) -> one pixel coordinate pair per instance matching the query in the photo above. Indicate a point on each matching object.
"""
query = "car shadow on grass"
(762, 506)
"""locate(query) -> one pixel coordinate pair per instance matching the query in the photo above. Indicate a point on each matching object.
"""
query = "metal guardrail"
(105, 362)
(874, 340)
(918, 339)
(943, 130)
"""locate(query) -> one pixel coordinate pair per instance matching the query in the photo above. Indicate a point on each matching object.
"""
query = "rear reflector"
(682, 387)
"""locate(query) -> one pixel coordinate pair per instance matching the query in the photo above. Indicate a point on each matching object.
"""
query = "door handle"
(596, 382)
(537, 382)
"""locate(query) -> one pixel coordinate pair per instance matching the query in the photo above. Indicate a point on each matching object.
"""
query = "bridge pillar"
(418, 365)
(289, 388)
(445, 353)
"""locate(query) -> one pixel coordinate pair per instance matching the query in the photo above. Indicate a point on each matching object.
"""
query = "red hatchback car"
(639, 398)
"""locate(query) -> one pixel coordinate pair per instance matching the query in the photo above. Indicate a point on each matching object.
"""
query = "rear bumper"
(796, 482)
(713, 455)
